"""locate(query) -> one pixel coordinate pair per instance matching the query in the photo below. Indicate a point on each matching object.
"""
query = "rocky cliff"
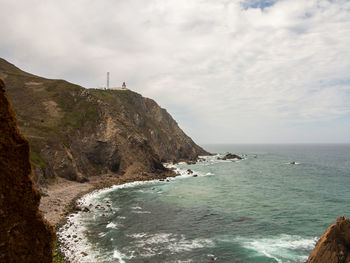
(334, 244)
(76, 132)
(24, 235)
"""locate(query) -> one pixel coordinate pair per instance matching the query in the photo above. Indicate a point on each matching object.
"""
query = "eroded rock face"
(24, 235)
(334, 244)
(76, 133)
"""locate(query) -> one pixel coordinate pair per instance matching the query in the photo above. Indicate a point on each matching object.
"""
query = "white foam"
(73, 249)
(118, 255)
(155, 244)
(137, 235)
(79, 249)
(183, 173)
(112, 225)
(141, 212)
(280, 248)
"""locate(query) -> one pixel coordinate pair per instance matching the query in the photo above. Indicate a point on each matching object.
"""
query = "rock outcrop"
(76, 132)
(231, 156)
(334, 244)
(24, 235)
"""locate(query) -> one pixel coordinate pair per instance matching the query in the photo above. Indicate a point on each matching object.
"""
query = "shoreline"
(59, 199)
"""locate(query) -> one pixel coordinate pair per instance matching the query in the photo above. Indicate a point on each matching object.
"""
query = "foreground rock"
(24, 235)
(334, 244)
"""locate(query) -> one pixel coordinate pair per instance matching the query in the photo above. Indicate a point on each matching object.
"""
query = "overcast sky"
(229, 71)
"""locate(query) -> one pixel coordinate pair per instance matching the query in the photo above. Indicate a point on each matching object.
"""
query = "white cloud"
(226, 71)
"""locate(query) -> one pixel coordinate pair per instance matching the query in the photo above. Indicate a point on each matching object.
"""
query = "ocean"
(259, 209)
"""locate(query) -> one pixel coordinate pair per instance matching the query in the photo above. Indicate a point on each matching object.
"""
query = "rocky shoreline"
(59, 200)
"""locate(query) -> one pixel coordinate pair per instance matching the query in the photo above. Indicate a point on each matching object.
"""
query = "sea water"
(259, 209)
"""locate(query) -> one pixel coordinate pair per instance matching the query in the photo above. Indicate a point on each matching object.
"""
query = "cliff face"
(24, 235)
(76, 132)
(334, 245)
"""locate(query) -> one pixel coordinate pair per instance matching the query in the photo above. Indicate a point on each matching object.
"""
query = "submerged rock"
(189, 171)
(334, 244)
(24, 234)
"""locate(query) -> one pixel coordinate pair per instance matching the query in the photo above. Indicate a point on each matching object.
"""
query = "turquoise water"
(260, 209)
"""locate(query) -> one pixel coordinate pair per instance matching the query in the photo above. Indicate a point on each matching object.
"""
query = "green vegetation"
(46, 130)
(36, 159)
(57, 254)
(65, 142)
(97, 168)
(113, 95)
(73, 119)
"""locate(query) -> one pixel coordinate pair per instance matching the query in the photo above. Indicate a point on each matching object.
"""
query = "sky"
(228, 71)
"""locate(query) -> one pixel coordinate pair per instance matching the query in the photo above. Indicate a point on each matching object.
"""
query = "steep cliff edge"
(76, 132)
(334, 244)
(24, 235)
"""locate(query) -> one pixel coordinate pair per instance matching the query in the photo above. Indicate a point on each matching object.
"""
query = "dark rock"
(231, 156)
(81, 179)
(86, 210)
(211, 258)
(189, 171)
(293, 162)
(195, 175)
(24, 234)
(84, 254)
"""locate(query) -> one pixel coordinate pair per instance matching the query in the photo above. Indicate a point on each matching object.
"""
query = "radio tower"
(107, 80)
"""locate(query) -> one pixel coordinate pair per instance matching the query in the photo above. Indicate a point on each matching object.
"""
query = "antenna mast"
(107, 80)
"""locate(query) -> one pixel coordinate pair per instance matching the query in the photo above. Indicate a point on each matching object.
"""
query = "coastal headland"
(81, 140)
(85, 139)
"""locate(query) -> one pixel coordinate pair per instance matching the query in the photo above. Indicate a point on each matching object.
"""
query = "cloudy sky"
(229, 71)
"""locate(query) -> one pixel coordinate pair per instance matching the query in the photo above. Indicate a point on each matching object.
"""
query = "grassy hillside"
(76, 132)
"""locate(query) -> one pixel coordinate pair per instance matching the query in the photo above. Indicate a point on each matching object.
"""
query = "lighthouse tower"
(124, 86)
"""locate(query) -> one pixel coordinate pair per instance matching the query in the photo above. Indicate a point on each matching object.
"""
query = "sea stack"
(334, 244)
(24, 235)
